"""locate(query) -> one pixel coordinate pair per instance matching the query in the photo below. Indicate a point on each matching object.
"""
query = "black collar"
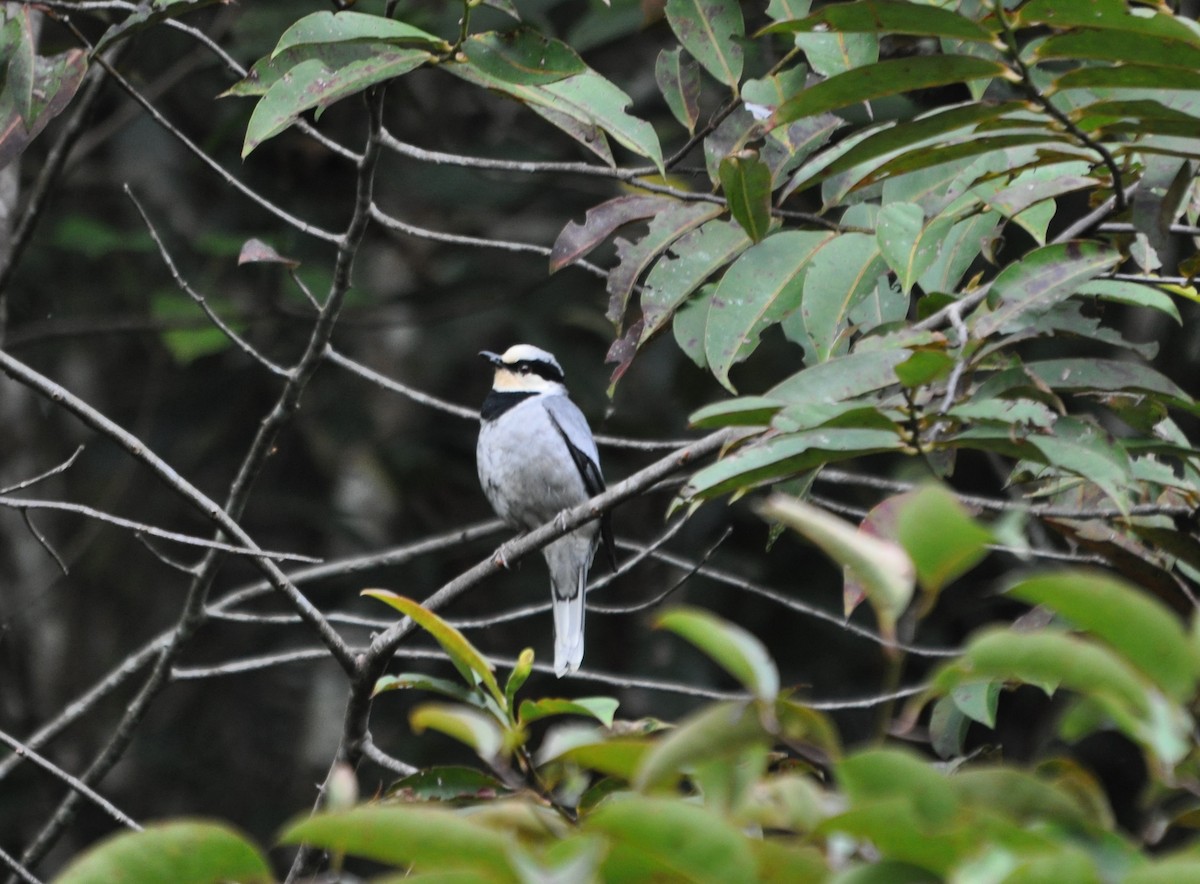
(499, 401)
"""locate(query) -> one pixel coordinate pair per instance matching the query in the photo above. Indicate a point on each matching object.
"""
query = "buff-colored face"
(524, 368)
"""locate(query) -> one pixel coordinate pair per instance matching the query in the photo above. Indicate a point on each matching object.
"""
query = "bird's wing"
(572, 426)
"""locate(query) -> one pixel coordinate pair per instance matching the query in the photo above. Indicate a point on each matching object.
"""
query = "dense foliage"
(947, 247)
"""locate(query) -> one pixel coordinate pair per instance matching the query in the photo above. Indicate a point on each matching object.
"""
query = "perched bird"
(536, 458)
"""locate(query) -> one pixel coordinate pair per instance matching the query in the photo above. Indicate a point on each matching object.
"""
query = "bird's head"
(523, 368)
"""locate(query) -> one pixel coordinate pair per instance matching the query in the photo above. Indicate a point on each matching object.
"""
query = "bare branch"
(248, 664)
(53, 471)
(75, 783)
(241, 343)
(21, 503)
(19, 870)
(373, 753)
(42, 541)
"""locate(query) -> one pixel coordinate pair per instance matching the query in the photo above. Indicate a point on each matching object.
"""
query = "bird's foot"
(560, 521)
(500, 557)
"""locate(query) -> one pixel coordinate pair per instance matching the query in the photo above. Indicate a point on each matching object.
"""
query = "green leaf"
(1129, 76)
(836, 53)
(940, 536)
(843, 378)
(600, 708)
(761, 287)
(1135, 294)
(611, 756)
(889, 77)
(746, 181)
(678, 80)
(446, 783)
(1021, 796)
(1120, 47)
(719, 733)
(668, 839)
(469, 726)
(909, 246)
(421, 682)
(472, 665)
(841, 273)
(310, 84)
(691, 321)
(1091, 375)
(787, 455)
(17, 59)
(1132, 622)
(750, 411)
(55, 80)
(737, 651)
(338, 27)
(963, 243)
(978, 700)
(675, 220)
(692, 259)
(1051, 659)
(1083, 449)
(182, 851)
(518, 676)
(428, 838)
(707, 31)
(1103, 14)
(1039, 280)
(576, 240)
(878, 774)
(887, 17)
(884, 569)
(522, 56)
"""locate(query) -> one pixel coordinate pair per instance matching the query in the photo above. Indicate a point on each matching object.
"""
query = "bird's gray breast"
(525, 467)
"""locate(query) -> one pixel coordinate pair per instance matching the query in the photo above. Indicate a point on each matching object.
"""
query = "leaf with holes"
(678, 80)
(1038, 281)
(708, 30)
(762, 286)
(522, 56)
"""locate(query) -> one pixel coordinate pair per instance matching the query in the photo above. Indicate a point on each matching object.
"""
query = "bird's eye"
(524, 369)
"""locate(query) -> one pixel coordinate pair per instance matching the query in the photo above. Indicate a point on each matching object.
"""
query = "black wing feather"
(593, 483)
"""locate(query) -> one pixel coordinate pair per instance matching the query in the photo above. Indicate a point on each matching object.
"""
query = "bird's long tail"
(569, 560)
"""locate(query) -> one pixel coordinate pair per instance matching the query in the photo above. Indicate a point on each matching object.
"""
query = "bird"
(536, 457)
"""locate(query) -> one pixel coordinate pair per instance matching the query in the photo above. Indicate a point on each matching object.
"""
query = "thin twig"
(43, 542)
(19, 870)
(240, 342)
(53, 471)
(75, 783)
(373, 753)
(21, 503)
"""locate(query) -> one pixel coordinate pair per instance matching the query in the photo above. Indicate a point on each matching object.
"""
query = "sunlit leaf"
(940, 536)
(472, 665)
(1132, 622)
(657, 838)
(600, 708)
(182, 851)
(424, 837)
(741, 654)
(762, 286)
(884, 568)
(475, 729)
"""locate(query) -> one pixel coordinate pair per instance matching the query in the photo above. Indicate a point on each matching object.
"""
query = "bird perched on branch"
(536, 458)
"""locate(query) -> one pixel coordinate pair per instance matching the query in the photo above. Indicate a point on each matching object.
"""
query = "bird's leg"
(560, 521)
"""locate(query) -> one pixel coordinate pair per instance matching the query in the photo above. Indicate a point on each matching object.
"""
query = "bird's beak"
(494, 358)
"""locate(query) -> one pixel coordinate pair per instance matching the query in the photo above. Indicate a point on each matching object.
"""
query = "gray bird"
(536, 458)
